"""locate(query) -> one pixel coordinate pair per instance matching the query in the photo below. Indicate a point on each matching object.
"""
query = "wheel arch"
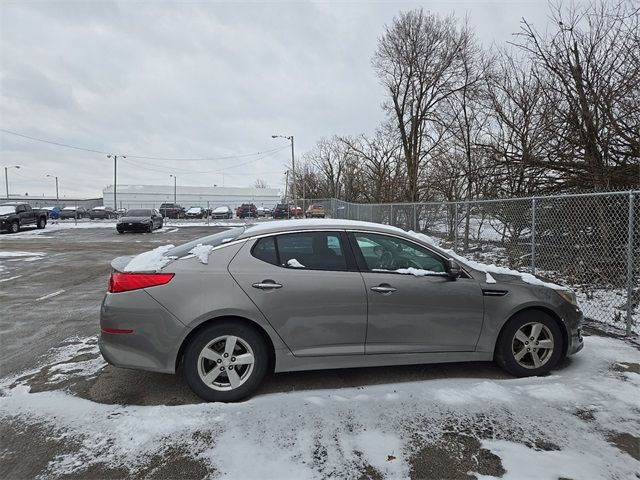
(236, 318)
(538, 308)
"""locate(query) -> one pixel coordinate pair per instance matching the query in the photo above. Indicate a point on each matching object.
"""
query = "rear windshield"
(214, 240)
(139, 213)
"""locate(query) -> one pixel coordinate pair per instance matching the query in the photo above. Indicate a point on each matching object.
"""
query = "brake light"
(126, 281)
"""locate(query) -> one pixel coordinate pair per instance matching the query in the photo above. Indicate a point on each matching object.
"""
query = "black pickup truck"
(171, 210)
(14, 216)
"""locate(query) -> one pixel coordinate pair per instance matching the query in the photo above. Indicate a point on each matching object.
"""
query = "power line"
(144, 157)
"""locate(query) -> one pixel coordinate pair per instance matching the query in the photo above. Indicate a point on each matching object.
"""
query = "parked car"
(14, 216)
(120, 212)
(282, 210)
(101, 212)
(171, 210)
(195, 212)
(222, 212)
(295, 211)
(140, 220)
(322, 295)
(263, 212)
(247, 210)
(73, 212)
(315, 211)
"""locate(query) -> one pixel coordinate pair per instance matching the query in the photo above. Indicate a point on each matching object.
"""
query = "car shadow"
(134, 387)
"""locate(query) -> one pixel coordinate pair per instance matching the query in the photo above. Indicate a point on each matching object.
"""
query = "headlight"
(568, 296)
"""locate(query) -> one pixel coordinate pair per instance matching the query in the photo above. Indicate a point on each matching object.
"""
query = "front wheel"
(530, 344)
(225, 362)
(15, 227)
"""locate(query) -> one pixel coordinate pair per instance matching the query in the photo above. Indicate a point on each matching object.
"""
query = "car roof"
(277, 226)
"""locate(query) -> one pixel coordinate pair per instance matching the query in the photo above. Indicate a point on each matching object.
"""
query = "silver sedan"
(230, 308)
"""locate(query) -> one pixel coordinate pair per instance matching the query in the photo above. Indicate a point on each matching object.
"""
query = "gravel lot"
(78, 417)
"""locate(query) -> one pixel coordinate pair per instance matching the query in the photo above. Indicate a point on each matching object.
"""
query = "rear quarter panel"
(199, 293)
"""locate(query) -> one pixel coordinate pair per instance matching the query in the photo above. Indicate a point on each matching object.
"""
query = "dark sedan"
(140, 220)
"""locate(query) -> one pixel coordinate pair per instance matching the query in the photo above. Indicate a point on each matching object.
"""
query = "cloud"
(192, 78)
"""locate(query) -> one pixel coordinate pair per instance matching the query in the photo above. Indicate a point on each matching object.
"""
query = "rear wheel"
(225, 362)
(42, 222)
(529, 344)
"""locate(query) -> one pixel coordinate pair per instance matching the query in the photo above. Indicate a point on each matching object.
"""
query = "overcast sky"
(195, 79)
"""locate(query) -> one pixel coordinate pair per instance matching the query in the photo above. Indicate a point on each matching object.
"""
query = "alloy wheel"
(226, 363)
(532, 345)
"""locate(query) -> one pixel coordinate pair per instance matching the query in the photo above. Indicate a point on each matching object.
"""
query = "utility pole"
(115, 178)
(293, 166)
(6, 177)
(286, 186)
(57, 196)
(175, 186)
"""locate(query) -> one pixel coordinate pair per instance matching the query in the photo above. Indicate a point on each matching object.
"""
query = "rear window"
(214, 240)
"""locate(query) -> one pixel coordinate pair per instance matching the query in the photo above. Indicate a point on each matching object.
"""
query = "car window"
(265, 250)
(21, 209)
(214, 240)
(384, 253)
(312, 250)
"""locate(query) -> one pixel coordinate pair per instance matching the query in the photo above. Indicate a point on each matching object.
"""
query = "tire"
(515, 341)
(42, 222)
(120, 231)
(150, 229)
(248, 341)
(15, 227)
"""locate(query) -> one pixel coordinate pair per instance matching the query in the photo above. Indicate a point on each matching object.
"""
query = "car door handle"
(384, 289)
(267, 285)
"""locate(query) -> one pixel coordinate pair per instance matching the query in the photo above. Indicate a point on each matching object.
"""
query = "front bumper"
(132, 227)
(573, 319)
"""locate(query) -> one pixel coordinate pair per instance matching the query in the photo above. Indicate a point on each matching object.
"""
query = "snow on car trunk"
(151, 261)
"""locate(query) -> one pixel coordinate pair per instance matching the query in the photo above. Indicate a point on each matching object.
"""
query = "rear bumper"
(155, 334)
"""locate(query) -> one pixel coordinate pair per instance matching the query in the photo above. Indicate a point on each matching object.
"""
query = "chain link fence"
(589, 242)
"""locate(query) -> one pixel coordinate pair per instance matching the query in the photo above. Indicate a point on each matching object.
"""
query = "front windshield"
(138, 213)
(7, 209)
(214, 240)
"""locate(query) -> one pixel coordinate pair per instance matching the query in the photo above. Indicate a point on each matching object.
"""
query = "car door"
(413, 304)
(307, 286)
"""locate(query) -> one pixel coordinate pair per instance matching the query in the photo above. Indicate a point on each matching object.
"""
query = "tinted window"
(385, 253)
(265, 250)
(139, 213)
(312, 250)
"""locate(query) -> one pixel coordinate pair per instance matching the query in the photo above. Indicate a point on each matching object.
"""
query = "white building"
(151, 196)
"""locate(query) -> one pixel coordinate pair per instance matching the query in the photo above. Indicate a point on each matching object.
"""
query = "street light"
(293, 166)
(6, 177)
(115, 180)
(175, 182)
(57, 197)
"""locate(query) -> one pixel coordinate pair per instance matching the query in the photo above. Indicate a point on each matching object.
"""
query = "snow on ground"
(543, 427)
(21, 254)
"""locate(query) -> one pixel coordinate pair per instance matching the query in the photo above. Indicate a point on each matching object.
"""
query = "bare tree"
(588, 64)
(419, 63)
(260, 183)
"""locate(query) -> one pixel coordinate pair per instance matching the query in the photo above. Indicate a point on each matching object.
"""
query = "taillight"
(125, 281)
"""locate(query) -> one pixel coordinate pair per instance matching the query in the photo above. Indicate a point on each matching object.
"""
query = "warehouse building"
(151, 196)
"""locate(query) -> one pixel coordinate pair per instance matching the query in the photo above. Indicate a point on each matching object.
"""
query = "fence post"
(455, 230)
(358, 211)
(415, 223)
(208, 212)
(630, 232)
(533, 235)
(391, 214)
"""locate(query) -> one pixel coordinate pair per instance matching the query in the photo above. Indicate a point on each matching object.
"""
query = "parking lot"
(78, 417)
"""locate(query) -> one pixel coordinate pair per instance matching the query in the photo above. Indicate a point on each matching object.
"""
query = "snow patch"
(151, 261)
(489, 278)
(293, 263)
(202, 252)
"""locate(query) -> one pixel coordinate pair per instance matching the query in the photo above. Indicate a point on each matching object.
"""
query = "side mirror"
(452, 268)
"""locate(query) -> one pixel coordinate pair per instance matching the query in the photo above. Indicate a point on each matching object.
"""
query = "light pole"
(115, 178)
(175, 183)
(293, 167)
(57, 197)
(6, 177)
